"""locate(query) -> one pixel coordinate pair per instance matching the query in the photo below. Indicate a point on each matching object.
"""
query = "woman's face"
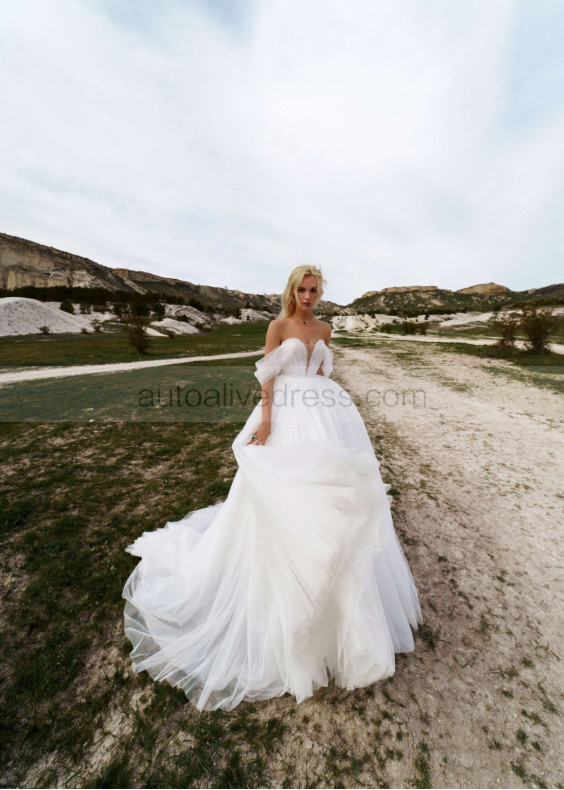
(307, 292)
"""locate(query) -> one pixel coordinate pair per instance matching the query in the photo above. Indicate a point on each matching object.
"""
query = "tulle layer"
(296, 574)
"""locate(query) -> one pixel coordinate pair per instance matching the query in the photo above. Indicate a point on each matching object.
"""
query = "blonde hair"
(289, 298)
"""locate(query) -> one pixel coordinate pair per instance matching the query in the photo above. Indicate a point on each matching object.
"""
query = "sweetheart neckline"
(308, 345)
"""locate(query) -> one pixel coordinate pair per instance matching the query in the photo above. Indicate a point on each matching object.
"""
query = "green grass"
(112, 345)
(66, 520)
(194, 392)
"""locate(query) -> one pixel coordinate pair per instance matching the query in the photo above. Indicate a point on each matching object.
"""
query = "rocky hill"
(412, 300)
(25, 264)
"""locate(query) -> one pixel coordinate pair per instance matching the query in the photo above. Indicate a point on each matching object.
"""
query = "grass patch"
(422, 768)
(76, 497)
(541, 370)
(196, 392)
(112, 345)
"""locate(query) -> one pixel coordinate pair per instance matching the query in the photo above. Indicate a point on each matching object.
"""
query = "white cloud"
(364, 136)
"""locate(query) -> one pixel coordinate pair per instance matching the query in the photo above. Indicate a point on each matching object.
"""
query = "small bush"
(84, 330)
(137, 335)
(409, 327)
(67, 306)
(538, 323)
(192, 302)
(45, 329)
(506, 325)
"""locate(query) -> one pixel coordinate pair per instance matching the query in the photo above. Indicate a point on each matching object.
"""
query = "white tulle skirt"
(296, 574)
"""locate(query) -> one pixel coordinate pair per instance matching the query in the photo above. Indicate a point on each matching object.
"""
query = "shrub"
(67, 306)
(408, 327)
(45, 329)
(506, 325)
(84, 330)
(193, 302)
(538, 323)
(137, 335)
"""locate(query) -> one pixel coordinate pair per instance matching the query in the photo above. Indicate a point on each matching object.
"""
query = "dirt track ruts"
(478, 463)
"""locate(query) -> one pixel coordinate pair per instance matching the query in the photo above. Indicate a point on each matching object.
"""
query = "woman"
(298, 572)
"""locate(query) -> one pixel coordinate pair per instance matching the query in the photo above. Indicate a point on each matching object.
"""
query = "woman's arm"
(273, 338)
(327, 338)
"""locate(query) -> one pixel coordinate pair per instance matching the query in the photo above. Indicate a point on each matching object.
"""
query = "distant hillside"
(25, 264)
(421, 299)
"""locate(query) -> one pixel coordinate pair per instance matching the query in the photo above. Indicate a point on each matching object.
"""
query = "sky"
(389, 142)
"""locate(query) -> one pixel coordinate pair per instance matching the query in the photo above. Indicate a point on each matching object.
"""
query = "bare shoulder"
(273, 334)
(326, 329)
(275, 327)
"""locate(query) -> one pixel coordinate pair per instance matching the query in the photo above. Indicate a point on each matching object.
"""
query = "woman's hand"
(261, 434)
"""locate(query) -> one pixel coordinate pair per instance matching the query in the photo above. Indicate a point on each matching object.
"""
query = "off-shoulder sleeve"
(327, 360)
(271, 364)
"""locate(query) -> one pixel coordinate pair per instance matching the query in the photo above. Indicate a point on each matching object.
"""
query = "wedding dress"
(296, 574)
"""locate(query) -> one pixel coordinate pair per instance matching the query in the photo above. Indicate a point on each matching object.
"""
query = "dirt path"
(478, 463)
(556, 348)
(35, 373)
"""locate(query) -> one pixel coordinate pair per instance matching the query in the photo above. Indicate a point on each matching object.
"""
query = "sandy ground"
(476, 464)
(479, 463)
